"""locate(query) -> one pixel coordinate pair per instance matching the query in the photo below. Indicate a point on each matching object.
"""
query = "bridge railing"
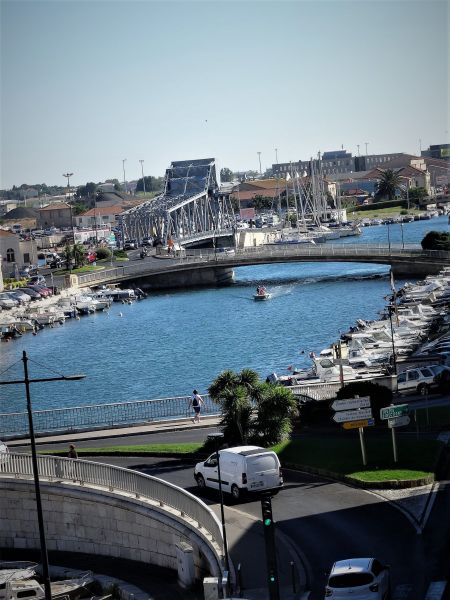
(102, 416)
(269, 251)
(112, 478)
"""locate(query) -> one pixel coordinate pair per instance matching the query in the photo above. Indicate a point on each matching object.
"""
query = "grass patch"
(381, 212)
(88, 269)
(186, 448)
(342, 455)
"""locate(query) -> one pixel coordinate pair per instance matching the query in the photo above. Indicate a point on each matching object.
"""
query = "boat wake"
(281, 283)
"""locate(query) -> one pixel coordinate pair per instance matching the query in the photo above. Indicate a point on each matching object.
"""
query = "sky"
(86, 84)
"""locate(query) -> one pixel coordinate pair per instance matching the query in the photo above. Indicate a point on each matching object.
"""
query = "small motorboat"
(261, 294)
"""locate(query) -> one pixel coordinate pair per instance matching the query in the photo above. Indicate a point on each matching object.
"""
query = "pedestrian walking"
(72, 452)
(196, 403)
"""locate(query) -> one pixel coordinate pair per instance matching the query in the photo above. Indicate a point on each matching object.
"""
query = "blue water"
(172, 342)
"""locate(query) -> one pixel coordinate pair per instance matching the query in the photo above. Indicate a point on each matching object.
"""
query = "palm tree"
(276, 407)
(252, 409)
(237, 394)
(390, 180)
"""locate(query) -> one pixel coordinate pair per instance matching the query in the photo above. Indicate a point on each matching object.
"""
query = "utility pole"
(358, 148)
(259, 156)
(276, 155)
(366, 143)
(124, 179)
(142, 169)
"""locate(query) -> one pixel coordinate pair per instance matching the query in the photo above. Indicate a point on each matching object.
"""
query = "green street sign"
(390, 412)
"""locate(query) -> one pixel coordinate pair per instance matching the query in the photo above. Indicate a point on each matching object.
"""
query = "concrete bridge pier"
(207, 276)
(416, 268)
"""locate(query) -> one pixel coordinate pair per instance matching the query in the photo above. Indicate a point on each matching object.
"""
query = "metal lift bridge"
(190, 211)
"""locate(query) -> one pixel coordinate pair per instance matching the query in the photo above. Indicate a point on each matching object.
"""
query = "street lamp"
(27, 381)
(68, 175)
(403, 241)
(124, 180)
(216, 437)
(276, 155)
(389, 237)
(259, 156)
(142, 169)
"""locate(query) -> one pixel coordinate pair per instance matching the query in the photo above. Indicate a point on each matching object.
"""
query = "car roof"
(245, 450)
(353, 565)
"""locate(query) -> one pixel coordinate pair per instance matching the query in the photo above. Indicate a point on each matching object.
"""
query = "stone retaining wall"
(101, 523)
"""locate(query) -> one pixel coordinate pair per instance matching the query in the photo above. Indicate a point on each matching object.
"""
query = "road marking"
(402, 592)
(436, 590)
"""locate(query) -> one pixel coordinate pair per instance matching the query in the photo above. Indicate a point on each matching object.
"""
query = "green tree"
(389, 182)
(236, 394)
(276, 407)
(86, 191)
(78, 254)
(417, 194)
(226, 174)
(436, 240)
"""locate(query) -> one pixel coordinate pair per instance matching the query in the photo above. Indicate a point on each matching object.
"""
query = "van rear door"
(263, 471)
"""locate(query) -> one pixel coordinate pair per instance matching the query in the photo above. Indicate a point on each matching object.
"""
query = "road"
(323, 520)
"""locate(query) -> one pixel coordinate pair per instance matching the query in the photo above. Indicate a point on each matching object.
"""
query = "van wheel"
(423, 389)
(200, 481)
(235, 492)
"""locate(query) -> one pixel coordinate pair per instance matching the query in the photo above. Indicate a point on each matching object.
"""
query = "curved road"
(324, 520)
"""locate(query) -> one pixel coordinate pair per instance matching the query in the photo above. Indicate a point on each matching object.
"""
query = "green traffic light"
(267, 522)
(272, 578)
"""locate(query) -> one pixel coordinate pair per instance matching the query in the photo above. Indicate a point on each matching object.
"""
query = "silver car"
(7, 301)
(21, 297)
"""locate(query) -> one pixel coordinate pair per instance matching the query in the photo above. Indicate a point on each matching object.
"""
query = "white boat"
(261, 295)
(68, 589)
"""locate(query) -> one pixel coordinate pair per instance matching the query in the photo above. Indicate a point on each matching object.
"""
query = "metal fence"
(112, 478)
(242, 256)
(103, 416)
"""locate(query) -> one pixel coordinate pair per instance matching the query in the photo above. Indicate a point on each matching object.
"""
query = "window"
(212, 461)
(376, 567)
(10, 255)
(426, 372)
(413, 375)
(350, 580)
(401, 378)
(26, 257)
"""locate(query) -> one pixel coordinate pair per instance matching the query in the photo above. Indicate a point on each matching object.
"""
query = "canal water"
(173, 342)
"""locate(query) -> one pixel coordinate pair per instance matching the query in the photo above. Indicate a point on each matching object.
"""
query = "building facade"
(55, 215)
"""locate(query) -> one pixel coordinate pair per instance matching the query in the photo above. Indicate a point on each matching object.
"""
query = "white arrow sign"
(399, 421)
(351, 403)
(352, 415)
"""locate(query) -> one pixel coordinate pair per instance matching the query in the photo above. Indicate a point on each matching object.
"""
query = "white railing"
(164, 494)
(240, 256)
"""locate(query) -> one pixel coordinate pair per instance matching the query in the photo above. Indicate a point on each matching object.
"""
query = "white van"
(242, 469)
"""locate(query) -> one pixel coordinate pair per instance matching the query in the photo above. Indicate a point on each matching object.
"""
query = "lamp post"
(26, 380)
(142, 170)
(216, 437)
(259, 156)
(403, 241)
(124, 179)
(68, 175)
(366, 143)
(276, 155)
(389, 237)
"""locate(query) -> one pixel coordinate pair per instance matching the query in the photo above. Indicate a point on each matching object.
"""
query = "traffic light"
(266, 507)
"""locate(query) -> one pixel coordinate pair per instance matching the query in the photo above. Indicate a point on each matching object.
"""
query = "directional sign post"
(354, 413)
(395, 410)
(358, 424)
(399, 421)
(395, 414)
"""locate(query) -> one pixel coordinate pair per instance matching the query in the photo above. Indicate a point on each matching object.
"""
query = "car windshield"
(349, 580)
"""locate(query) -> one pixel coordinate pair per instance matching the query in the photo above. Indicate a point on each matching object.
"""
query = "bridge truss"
(191, 209)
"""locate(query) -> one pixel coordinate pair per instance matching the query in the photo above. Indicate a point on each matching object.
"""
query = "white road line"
(436, 590)
(402, 592)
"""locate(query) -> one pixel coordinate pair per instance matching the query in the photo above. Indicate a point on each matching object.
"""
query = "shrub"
(120, 254)
(380, 396)
(103, 253)
(436, 240)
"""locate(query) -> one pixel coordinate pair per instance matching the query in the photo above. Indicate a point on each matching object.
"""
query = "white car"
(419, 381)
(359, 579)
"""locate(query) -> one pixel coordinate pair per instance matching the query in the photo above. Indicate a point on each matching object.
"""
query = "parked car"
(359, 578)
(7, 301)
(19, 296)
(44, 292)
(32, 293)
(37, 280)
(130, 245)
(242, 469)
(419, 380)
(147, 241)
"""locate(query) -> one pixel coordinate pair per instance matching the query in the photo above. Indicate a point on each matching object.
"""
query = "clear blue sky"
(85, 84)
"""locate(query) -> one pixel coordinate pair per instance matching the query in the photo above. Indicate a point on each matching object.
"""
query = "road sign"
(358, 424)
(352, 415)
(351, 403)
(390, 412)
(399, 421)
